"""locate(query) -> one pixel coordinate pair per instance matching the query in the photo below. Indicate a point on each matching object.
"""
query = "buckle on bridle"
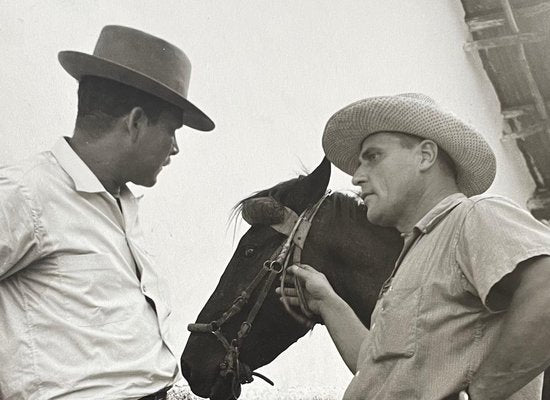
(274, 266)
(245, 328)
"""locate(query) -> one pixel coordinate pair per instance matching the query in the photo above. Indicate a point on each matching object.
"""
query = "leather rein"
(296, 228)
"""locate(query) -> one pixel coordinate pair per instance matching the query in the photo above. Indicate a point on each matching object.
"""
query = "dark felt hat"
(142, 61)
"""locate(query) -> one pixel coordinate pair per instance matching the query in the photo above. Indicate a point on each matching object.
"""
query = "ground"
(257, 391)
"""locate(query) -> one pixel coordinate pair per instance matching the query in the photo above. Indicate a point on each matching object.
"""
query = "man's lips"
(365, 195)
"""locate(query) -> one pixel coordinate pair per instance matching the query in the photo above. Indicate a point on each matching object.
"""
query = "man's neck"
(96, 155)
(425, 203)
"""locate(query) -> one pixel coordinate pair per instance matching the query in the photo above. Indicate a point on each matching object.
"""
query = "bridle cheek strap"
(297, 229)
(292, 226)
(289, 222)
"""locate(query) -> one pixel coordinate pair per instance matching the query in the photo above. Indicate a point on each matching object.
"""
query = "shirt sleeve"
(19, 239)
(495, 237)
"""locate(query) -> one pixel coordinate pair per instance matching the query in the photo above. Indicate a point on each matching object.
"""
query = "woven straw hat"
(142, 61)
(415, 114)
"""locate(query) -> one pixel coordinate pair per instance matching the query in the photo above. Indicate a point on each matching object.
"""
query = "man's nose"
(358, 177)
(175, 148)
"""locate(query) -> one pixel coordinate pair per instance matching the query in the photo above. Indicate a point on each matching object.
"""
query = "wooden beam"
(476, 24)
(518, 111)
(501, 41)
(513, 113)
(524, 63)
(499, 18)
(534, 129)
(539, 204)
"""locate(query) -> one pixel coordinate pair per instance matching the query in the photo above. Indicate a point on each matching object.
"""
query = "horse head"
(354, 255)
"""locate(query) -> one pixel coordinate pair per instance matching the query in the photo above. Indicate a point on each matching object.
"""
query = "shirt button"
(373, 326)
(144, 288)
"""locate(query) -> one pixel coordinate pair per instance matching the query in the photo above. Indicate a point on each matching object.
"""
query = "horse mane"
(348, 204)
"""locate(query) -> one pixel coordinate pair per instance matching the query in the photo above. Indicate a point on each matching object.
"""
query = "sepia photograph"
(302, 200)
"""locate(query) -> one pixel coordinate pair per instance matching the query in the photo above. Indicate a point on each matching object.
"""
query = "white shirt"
(75, 323)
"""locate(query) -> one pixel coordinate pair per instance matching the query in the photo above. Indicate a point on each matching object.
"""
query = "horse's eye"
(249, 252)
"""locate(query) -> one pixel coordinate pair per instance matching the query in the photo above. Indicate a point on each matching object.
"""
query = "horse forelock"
(263, 210)
(276, 192)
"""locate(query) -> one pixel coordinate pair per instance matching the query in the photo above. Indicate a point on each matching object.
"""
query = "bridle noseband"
(296, 228)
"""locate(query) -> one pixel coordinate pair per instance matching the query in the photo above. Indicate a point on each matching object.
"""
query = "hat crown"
(419, 97)
(146, 54)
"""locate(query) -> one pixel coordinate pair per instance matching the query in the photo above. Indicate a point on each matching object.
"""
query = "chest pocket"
(395, 327)
(93, 290)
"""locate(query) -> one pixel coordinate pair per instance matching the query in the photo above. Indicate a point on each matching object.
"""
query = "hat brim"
(79, 64)
(346, 130)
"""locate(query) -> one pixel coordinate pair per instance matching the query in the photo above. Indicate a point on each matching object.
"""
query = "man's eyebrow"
(368, 150)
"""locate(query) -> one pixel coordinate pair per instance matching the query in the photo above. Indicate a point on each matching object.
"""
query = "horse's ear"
(309, 189)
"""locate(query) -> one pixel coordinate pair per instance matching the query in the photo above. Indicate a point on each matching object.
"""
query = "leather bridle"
(296, 228)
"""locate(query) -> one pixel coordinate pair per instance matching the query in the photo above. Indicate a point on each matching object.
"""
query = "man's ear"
(428, 154)
(136, 120)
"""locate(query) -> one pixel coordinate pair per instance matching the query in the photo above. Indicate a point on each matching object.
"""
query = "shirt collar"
(439, 212)
(83, 178)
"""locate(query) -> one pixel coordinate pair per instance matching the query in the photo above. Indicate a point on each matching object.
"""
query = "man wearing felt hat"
(466, 311)
(83, 312)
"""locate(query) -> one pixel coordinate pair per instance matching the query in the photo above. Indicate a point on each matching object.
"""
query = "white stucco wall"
(270, 73)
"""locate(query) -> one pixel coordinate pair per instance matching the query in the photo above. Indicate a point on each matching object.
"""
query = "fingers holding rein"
(288, 291)
(290, 296)
(290, 274)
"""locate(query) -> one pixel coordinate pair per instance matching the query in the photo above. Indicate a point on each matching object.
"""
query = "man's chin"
(146, 183)
(376, 218)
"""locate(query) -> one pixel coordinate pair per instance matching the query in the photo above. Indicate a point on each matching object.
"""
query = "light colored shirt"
(437, 318)
(75, 323)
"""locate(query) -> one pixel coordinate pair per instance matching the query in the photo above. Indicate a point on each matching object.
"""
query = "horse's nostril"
(185, 370)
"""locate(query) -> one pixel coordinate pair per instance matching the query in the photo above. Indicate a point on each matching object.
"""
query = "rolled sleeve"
(495, 237)
(19, 229)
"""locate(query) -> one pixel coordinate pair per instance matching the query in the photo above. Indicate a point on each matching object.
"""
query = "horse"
(355, 255)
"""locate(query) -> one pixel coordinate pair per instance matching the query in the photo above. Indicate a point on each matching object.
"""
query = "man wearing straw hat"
(83, 312)
(466, 311)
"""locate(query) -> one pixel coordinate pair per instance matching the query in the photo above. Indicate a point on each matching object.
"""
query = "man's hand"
(317, 289)
(344, 327)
